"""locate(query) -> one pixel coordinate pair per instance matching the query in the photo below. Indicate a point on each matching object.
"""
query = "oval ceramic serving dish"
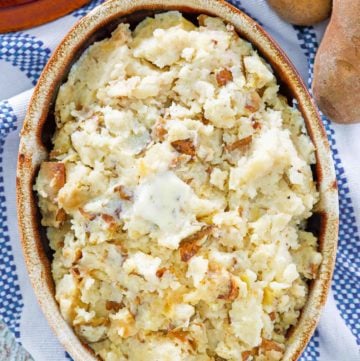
(39, 125)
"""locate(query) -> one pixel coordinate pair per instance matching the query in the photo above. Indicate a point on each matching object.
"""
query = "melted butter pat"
(163, 200)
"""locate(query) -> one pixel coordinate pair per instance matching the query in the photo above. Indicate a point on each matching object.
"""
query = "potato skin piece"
(184, 146)
(302, 12)
(53, 174)
(336, 84)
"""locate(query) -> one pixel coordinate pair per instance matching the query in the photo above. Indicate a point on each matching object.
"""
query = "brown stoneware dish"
(39, 126)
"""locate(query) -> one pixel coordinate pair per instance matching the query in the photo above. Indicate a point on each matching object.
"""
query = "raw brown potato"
(302, 12)
(336, 83)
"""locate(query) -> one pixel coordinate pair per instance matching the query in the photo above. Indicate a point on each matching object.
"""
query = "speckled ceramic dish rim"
(32, 152)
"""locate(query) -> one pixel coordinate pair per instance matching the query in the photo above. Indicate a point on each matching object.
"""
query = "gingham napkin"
(22, 58)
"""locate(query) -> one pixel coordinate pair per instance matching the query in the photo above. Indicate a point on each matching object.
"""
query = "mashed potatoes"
(176, 197)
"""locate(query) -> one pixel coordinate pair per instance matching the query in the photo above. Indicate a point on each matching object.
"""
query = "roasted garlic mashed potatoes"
(176, 195)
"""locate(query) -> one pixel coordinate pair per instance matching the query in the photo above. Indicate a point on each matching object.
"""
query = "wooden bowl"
(39, 125)
(23, 14)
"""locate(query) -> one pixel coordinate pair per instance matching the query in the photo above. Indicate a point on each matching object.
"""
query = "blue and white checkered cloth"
(22, 58)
